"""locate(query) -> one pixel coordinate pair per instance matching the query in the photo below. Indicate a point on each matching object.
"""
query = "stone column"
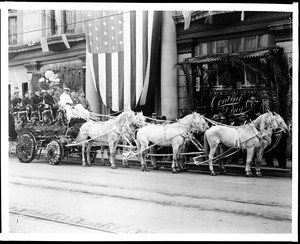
(169, 84)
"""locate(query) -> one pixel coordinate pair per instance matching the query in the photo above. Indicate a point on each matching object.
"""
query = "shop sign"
(16, 87)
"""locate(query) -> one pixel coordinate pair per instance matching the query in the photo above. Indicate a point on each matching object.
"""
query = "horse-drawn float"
(39, 130)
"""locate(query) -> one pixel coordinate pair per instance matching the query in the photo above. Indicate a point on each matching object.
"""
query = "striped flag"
(187, 19)
(120, 55)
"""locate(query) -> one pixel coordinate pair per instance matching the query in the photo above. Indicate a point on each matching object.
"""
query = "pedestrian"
(82, 99)
(255, 108)
(277, 151)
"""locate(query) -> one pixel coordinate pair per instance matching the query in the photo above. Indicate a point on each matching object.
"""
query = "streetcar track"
(92, 184)
(199, 207)
(62, 222)
(82, 223)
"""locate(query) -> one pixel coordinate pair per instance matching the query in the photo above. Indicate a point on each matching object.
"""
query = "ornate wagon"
(44, 133)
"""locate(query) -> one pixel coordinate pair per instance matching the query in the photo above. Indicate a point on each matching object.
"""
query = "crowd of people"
(53, 98)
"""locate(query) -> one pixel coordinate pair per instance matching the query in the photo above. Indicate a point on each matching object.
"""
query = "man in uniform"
(16, 101)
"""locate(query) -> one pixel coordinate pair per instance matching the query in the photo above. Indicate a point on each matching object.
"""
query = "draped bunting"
(122, 50)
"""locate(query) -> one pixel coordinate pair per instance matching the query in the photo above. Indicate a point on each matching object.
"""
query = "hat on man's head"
(43, 91)
(65, 87)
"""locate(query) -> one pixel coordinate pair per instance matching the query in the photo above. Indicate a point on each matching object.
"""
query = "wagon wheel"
(26, 147)
(54, 152)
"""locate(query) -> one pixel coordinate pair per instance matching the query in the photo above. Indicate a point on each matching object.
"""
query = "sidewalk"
(231, 168)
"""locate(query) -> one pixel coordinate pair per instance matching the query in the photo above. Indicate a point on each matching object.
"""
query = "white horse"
(246, 137)
(107, 132)
(129, 136)
(267, 139)
(173, 134)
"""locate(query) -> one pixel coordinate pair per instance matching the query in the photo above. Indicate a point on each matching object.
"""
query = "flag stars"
(90, 24)
(104, 23)
(90, 33)
(112, 18)
(120, 42)
(105, 33)
(120, 22)
(113, 37)
(120, 32)
(105, 43)
(104, 13)
(96, 28)
(112, 27)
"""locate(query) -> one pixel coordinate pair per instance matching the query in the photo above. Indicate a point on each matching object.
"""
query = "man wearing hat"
(36, 100)
(48, 100)
(66, 101)
(16, 101)
(72, 110)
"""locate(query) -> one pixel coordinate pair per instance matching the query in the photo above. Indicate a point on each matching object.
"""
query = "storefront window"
(263, 41)
(12, 28)
(222, 46)
(69, 21)
(250, 43)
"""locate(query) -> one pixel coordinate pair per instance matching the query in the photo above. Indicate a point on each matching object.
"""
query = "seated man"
(66, 102)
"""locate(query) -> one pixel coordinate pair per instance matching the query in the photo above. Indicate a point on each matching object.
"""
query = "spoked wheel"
(26, 147)
(54, 152)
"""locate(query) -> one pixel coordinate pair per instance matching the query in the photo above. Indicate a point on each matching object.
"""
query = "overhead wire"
(63, 25)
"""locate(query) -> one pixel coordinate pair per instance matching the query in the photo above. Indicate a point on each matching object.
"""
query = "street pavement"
(129, 201)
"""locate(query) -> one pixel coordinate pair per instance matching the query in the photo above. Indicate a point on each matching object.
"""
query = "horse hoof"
(249, 175)
(174, 171)
(223, 172)
(184, 170)
(89, 165)
(258, 174)
(155, 167)
(178, 170)
(213, 173)
(114, 167)
(144, 168)
(84, 165)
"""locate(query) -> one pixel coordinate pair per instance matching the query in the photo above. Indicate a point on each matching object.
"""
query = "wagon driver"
(66, 102)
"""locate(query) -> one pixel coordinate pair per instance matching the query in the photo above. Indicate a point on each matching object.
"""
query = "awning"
(205, 60)
(212, 59)
(257, 54)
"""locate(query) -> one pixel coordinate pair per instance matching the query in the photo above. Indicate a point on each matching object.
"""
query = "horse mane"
(262, 120)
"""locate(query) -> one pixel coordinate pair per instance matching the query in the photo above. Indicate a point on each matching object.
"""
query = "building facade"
(54, 40)
(229, 56)
(214, 63)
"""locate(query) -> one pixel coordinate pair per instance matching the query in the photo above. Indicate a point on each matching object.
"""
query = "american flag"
(119, 50)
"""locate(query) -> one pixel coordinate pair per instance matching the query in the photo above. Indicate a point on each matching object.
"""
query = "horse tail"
(206, 145)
